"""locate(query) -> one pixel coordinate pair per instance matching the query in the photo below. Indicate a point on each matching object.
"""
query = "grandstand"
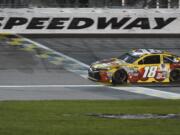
(90, 3)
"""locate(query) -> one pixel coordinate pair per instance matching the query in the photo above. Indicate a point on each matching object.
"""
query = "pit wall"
(89, 21)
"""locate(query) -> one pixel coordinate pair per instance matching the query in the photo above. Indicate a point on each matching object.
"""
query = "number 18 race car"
(138, 66)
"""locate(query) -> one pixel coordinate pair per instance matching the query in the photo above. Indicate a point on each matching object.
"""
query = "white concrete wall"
(150, 15)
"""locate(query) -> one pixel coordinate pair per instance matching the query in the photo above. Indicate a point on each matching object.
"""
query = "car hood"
(108, 63)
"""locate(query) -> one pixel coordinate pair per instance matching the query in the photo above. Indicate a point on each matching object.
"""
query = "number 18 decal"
(150, 72)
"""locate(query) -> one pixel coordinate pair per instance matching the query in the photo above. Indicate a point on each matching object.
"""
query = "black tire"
(119, 77)
(175, 75)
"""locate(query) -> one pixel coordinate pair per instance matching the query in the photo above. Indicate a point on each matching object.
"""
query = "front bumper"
(94, 75)
(99, 75)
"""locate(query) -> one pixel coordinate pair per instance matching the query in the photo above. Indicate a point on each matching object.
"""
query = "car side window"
(168, 59)
(150, 60)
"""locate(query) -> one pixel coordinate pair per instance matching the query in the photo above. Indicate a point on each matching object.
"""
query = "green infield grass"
(71, 117)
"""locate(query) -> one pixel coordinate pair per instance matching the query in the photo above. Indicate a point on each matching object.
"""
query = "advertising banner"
(140, 21)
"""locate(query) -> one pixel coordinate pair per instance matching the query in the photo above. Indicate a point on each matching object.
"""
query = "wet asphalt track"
(24, 68)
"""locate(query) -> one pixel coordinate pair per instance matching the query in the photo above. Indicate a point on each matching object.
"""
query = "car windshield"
(128, 58)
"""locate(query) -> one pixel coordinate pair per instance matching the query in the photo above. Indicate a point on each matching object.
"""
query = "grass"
(69, 118)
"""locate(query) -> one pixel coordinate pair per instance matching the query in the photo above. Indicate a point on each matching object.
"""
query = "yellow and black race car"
(138, 66)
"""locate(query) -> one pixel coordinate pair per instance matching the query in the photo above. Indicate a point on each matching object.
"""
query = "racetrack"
(24, 76)
(89, 50)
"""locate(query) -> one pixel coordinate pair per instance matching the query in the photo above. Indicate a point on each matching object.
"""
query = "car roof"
(141, 52)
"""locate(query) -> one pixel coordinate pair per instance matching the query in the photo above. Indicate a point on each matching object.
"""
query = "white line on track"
(137, 90)
(149, 92)
(48, 86)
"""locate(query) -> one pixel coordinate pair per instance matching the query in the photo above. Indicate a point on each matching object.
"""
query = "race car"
(138, 66)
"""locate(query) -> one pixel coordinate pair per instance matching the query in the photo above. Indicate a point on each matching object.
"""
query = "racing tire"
(175, 75)
(119, 77)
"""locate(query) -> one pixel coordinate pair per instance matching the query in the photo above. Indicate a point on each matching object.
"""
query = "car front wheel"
(119, 77)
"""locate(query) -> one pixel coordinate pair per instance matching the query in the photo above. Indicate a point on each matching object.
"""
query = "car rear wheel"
(175, 75)
(119, 77)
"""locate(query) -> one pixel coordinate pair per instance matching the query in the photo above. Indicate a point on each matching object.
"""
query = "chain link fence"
(90, 3)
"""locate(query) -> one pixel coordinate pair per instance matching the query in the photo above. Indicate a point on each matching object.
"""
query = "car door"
(171, 63)
(149, 67)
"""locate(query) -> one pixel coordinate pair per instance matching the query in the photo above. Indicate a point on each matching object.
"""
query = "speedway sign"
(90, 23)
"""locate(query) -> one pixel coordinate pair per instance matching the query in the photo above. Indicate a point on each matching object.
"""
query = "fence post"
(157, 4)
(169, 3)
(123, 3)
